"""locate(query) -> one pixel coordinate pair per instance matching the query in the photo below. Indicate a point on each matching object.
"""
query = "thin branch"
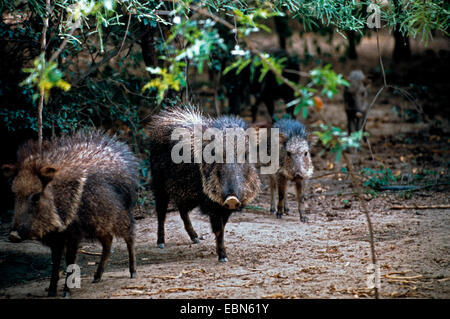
(126, 32)
(356, 185)
(41, 90)
(420, 207)
(58, 51)
(381, 60)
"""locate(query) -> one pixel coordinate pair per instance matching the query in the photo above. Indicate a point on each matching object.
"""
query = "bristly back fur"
(291, 128)
(229, 121)
(84, 152)
(162, 124)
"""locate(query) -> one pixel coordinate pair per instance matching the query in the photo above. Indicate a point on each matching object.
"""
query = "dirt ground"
(327, 257)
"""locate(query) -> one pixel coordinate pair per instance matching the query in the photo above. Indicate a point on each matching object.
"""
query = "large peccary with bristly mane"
(295, 165)
(218, 188)
(81, 186)
(356, 100)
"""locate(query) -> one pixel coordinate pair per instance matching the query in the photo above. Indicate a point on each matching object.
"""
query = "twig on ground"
(82, 251)
(420, 207)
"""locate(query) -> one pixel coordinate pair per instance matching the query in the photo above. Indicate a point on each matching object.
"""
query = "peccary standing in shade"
(295, 165)
(79, 187)
(356, 100)
(219, 189)
(240, 86)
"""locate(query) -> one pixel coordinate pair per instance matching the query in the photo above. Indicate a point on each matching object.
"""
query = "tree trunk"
(402, 49)
(351, 53)
(148, 45)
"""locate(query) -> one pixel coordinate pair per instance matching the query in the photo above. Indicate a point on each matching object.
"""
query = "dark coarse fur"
(356, 100)
(190, 185)
(290, 128)
(268, 91)
(295, 165)
(81, 186)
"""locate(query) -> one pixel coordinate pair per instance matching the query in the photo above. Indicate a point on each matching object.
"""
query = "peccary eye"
(35, 197)
(289, 153)
(306, 154)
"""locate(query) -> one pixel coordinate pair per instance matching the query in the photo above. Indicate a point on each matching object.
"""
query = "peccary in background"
(356, 100)
(269, 91)
(240, 86)
(217, 188)
(295, 165)
(79, 187)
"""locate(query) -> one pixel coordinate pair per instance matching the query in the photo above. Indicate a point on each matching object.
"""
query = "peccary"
(79, 187)
(356, 99)
(295, 165)
(218, 188)
(270, 90)
(240, 86)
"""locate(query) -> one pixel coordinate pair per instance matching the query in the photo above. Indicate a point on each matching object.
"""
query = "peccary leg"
(270, 104)
(218, 223)
(188, 226)
(161, 210)
(286, 208)
(255, 107)
(71, 256)
(300, 189)
(282, 181)
(351, 125)
(106, 243)
(273, 198)
(57, 251)
(273, 189)
(131, 257)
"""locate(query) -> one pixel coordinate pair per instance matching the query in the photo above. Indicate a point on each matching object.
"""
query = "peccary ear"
(46, 174)
(9, 170)
(283, 139)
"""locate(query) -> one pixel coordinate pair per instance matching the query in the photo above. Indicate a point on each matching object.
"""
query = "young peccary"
(79, 187)
(217, 187)
(356, 103)
(295, 165)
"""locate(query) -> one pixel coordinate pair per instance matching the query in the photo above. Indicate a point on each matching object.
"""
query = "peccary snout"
(232, 202)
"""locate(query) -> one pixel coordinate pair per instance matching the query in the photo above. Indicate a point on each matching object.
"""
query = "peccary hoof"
(196, 240)
(96, 280)
(279, 215)
(303, 218)
(223, 259)
(272, 210)
(161, 246)
(133, 275)
(66, 294)
(51, 293)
